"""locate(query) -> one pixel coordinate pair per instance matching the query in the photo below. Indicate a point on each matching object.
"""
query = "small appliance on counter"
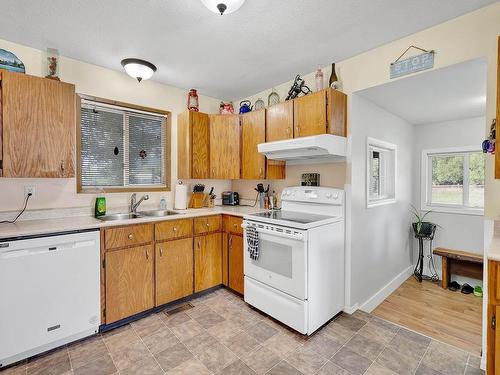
(310, 179)
(230, 198)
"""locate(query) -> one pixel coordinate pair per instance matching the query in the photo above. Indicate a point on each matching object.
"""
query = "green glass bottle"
(100, 205)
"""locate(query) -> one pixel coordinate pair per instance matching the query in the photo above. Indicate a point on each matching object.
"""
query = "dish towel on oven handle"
(253, 242)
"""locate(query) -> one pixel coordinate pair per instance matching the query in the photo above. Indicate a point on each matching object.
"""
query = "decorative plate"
(10, 62)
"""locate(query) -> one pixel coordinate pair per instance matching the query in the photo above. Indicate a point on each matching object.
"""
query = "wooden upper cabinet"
(174, 270)
(193, 145)
(309, 115)
(279, 121)
(224, 147)
(129, 282)
(207, 261)
(38, 126)
(320, 113)
(253, 132)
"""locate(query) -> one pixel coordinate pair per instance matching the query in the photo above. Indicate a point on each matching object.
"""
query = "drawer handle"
(199, 245)
(208, 224)
(175, 229)
(130, 236)
(235, 225)
(161, 252)
(147, 254)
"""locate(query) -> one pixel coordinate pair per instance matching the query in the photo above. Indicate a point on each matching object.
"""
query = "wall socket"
(29, 189)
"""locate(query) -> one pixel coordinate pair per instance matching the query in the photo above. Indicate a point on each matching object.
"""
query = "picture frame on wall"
(10, 62)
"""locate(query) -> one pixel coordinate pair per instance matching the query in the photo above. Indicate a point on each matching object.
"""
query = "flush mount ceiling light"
(139, 69)
(223, 6)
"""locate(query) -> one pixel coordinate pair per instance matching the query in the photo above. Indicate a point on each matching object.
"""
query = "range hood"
(317, 148)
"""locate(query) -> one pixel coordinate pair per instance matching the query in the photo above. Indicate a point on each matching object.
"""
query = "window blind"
(121, 148)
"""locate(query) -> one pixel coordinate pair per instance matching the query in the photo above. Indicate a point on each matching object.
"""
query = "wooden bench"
(459, 262)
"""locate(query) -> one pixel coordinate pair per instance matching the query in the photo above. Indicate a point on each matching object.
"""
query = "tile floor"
(222, 335)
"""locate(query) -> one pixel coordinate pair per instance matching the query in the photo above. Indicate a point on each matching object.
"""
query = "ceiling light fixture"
(139, 69)
(223, 6)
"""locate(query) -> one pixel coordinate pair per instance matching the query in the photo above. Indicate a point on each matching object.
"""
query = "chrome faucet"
(134, 204)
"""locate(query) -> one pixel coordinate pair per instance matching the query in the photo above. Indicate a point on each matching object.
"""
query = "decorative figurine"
(52, 64)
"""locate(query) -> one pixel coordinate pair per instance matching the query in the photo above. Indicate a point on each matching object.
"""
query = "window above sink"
(122, 147)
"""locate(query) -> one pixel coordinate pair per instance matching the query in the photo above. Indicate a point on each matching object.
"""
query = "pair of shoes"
(454, 286)
(467, 289)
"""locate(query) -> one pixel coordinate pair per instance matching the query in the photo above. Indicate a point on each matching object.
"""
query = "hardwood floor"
(450, 317)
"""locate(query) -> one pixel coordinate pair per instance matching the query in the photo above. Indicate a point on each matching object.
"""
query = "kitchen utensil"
(245, 106)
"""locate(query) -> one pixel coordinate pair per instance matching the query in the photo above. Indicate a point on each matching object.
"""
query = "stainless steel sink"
(113, 217)
(158, 213)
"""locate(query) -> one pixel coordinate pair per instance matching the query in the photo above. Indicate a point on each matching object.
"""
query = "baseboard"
(351, 309)
(383, 293)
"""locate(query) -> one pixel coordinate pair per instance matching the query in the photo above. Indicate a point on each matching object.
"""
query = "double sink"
(137, 215)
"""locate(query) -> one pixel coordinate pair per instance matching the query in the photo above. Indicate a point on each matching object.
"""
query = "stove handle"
(293, 236)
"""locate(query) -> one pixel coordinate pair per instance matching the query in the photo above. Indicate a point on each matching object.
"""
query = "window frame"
(133, 108)
(426, 181)
(381, 146)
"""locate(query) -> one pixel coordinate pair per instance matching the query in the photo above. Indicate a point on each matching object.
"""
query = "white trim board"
(386, 291)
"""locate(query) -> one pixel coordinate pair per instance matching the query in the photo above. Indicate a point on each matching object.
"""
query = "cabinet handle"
(493, 322)
(208, 224)
(130, 236)
(199, 245)
(298, 129)
(161, 252)
(230, 241)
(260, 173)
(235, 225)
(175, 229)
(288, 131)
(147, 254)
(62, 167)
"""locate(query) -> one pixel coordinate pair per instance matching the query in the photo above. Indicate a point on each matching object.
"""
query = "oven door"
(282, 260)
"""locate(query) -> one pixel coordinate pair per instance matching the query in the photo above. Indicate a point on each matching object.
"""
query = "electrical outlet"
(29, 189)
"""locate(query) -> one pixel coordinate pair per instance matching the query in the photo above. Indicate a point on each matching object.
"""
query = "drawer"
(207, 224)
(232, 224)
(128, 236)
(174, 229)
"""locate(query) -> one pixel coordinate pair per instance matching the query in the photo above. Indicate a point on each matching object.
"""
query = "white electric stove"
(298, 276)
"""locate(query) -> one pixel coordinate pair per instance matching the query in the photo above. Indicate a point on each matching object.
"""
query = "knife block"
(197, 200)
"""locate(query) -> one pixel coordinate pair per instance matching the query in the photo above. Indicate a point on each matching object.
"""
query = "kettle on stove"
(245, 106)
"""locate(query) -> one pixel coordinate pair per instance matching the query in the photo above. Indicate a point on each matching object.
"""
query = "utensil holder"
(197, 200)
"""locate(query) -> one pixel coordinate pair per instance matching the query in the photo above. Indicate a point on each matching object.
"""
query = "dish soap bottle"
(163, 203)
(100, 204)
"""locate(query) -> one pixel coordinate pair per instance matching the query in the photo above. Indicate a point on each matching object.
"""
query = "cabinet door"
(207, 261)
(497, 154)
(174, 270)
(309, 114)
(225, 146)
(235, 251)
(279, 121)
(129, 282)
(193, 145)
(336, 113)
(253, 132)
(38, 127)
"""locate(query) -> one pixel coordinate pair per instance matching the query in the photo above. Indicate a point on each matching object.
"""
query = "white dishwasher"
(49, 292)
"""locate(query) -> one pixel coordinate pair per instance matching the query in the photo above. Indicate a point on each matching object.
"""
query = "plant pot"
(427, 229)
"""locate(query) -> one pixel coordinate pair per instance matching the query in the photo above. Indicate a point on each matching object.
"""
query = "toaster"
(230, 198)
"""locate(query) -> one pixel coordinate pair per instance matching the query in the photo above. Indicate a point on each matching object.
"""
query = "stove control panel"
(313, 194)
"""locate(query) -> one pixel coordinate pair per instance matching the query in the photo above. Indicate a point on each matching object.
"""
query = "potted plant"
(421, 228)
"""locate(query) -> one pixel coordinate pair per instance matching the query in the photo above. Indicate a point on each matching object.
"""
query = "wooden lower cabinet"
(174, 270)
(235, 262)
(207, 261)
(129, 282)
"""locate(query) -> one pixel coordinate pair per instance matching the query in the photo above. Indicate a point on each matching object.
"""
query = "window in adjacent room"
(123, 147)
(453, 180)
(380, 172)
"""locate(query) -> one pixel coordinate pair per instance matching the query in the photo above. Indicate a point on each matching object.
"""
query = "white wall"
(455, 231)
(97, 81)
(380, 245)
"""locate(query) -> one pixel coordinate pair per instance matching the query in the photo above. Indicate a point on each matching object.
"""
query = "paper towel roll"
(180, 197)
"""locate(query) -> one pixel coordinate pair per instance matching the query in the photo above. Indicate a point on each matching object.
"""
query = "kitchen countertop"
(44, 226)
(494, 249)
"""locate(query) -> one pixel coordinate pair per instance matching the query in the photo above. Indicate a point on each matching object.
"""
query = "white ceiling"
(451, 93)
(263, 44)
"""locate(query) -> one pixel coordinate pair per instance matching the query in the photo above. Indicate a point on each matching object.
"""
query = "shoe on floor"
(454, 286)
(467, 289)
(478, 291)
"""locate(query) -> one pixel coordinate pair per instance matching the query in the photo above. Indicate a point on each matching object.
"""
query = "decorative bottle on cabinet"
(192, 102)
(319, 79)
(334, 81)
